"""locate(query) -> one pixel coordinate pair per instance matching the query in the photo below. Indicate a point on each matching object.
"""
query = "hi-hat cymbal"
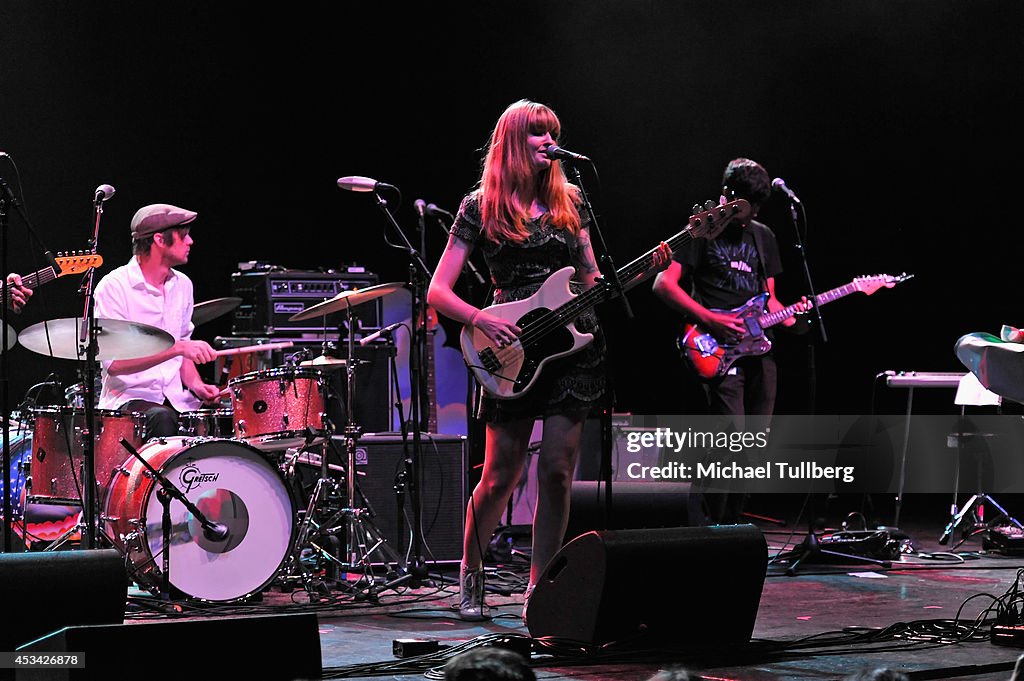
(12, 337)
(324, 362)
(116, 339)
(211, 309)
(347, 299)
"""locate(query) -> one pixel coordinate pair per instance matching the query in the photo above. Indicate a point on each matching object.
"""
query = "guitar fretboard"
(773, 318)
(43, 276)
(630, 275)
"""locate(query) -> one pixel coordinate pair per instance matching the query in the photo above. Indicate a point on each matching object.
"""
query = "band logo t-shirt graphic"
(191, 477)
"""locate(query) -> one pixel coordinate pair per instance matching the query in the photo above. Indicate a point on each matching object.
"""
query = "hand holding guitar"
(724, 324)
(800, 307)
(17, 293)
(500, 331)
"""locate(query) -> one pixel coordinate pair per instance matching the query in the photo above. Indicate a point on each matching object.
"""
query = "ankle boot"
(471, 594)
(526, 599)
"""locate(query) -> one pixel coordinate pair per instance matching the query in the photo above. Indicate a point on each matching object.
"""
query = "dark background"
(893, 121)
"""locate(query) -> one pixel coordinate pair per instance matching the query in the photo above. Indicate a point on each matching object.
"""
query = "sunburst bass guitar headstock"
(708, 221)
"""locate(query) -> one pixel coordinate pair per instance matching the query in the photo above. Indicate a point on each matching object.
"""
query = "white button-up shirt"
(124, 294)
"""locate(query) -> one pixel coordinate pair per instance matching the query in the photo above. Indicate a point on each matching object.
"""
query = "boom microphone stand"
(419, 274)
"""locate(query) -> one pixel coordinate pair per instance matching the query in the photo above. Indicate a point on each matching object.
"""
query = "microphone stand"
(168, 492)
(811, 364)
(8, 200)
(88, 333)
(419, 273)
(611, 278)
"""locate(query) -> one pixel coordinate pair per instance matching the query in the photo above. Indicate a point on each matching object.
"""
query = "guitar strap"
(758, 234)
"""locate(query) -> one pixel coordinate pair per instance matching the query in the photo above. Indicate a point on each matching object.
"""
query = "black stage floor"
(825, 622)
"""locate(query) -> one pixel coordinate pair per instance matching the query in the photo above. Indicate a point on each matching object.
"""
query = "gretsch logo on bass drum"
(191, 477)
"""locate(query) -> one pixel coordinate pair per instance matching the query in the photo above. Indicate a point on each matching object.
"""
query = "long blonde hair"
(509, 175)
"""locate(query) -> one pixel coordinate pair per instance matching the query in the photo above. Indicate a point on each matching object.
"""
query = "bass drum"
(231, 483)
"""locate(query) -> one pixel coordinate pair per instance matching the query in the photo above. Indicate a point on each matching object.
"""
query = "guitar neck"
(772, 318)
(38, 278)
(631, 274)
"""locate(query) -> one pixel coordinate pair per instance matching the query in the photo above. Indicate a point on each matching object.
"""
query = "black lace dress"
(569, 384)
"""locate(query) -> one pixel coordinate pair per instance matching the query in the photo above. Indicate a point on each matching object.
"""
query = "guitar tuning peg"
(709, 205)
(696, 209)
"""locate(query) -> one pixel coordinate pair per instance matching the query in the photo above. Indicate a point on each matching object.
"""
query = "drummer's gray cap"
(157, 217)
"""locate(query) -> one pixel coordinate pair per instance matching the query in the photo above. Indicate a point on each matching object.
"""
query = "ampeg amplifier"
(443, 490)
(271, 296)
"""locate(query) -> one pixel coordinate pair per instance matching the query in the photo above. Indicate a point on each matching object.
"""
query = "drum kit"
(230, 524)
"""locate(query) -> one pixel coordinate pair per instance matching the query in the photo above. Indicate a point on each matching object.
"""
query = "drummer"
(149, 291)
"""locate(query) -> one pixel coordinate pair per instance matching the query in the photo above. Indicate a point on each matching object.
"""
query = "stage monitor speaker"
(634, 505)
(257, 647)
(42, 592)
(700, 588)
(379, 460)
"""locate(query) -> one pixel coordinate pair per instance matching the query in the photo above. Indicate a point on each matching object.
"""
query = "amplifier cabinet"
(270, 298)
(379, 460)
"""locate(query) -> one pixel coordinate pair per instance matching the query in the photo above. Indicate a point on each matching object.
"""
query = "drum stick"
(253, 348)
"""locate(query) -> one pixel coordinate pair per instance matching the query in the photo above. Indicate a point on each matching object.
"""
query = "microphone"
(779, 184)
(377, 334)
(357, 183)
(555, 152)
(421, 207)
(104, 192)
(434, 211)
(215, 531)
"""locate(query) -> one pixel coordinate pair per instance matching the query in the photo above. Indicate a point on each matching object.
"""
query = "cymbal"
(347, 299)
(116, 339)
(211, 309)
(12, 337)
(325, 362)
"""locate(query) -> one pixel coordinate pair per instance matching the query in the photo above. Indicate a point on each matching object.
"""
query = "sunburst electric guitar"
(546, 318)
(710, 358)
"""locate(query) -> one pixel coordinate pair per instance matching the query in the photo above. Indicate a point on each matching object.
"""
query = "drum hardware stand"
(360, 530)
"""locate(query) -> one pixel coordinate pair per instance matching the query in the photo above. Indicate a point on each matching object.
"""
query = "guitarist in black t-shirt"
(725, 273)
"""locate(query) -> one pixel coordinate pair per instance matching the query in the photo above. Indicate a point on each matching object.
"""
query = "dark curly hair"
(746, 179)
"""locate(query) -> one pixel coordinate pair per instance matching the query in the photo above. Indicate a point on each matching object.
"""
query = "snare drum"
(206, 423)
(232, 484)
(57, 455)
(279, 408)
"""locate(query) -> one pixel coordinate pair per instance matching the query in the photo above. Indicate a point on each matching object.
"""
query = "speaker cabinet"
(634, 505)
(702, 589)
(43, 592)
(261, 647)
(442, 490)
